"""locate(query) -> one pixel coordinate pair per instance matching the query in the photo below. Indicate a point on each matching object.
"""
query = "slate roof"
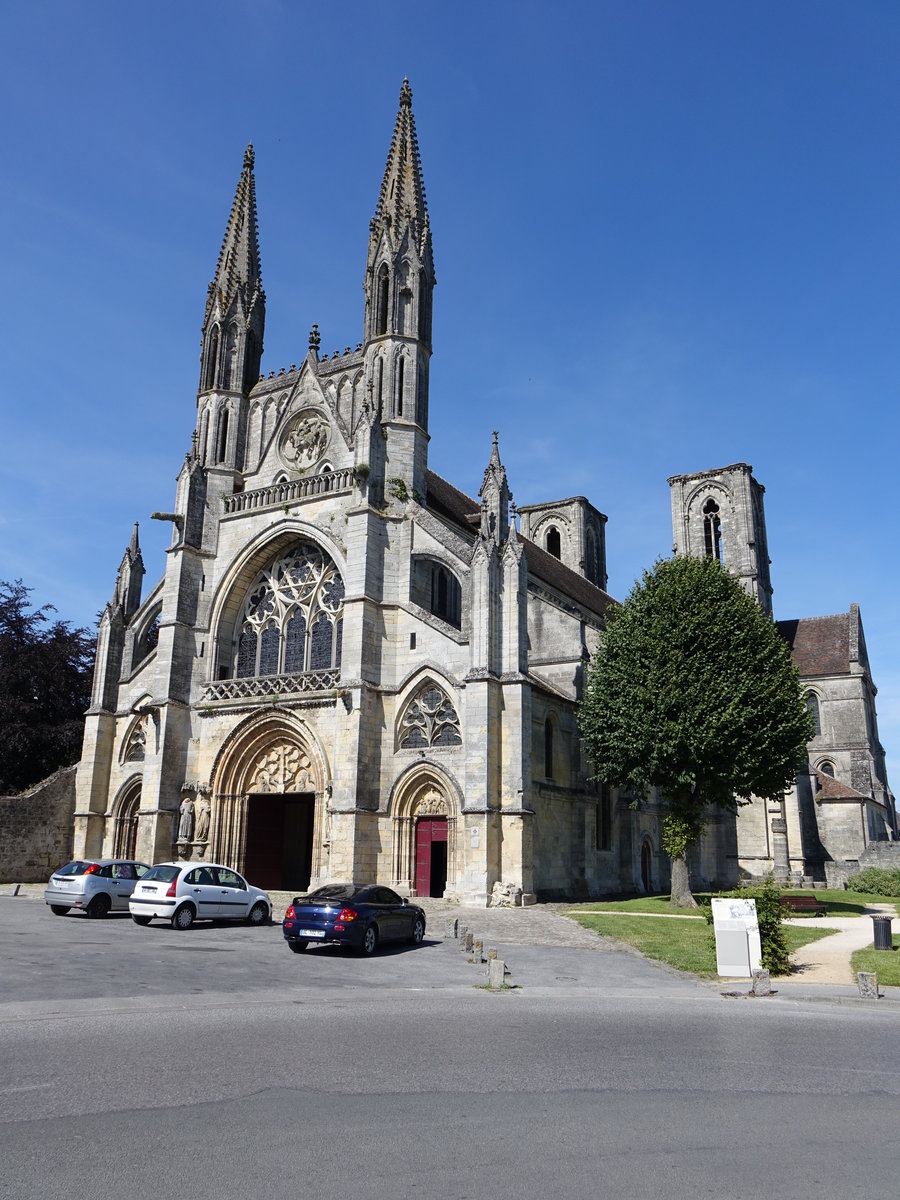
(819, 645)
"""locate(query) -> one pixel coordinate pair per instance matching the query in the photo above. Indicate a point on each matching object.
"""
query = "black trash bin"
(883, 939)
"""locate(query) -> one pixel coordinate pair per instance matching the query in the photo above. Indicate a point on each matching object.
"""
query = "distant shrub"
(876, 881)
(769, 915)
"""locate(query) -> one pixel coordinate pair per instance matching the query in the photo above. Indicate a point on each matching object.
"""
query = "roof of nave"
(819, 645)
(454, 505)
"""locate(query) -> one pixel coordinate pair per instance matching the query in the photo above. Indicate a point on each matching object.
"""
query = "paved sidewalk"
(828, 959)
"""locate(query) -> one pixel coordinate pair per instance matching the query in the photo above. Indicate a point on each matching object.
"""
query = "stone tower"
(720, 513)
(233, 326)
(398, 289)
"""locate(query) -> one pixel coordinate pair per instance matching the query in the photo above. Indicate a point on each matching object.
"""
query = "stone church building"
(352, 670)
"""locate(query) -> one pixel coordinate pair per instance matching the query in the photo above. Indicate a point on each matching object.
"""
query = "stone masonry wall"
(36, 829)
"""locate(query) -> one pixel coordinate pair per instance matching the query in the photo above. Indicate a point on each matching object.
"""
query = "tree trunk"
(682, 896)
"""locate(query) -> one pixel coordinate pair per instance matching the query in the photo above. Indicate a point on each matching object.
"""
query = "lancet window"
(429, 720)
(712, 530)
(292, 619)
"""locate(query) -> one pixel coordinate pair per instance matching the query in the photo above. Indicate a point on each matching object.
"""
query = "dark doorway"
(431, 857)
(279, 841)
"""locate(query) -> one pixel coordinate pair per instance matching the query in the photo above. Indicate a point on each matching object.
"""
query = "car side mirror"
(403, 900)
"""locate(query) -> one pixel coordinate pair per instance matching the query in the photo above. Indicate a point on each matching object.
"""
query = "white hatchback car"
(186, 892)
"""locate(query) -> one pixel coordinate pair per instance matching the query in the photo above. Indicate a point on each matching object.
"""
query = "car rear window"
(332, 891)
(162, 874)
(78, 867)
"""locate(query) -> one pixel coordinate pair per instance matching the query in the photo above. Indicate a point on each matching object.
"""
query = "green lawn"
(885, 963)
(687, 945)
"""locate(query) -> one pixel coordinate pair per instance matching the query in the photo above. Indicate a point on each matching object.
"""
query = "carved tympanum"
(283, 768)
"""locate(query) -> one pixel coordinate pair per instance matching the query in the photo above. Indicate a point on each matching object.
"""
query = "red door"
(431, 856)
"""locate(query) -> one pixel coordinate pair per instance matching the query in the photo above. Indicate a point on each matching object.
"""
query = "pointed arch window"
(553, 542)
(812, 705)
(212, 355)
(398, 398)
(222, 436)
(292, 621)
(429, 720)
(548, 748)
(712, 530)
(381, 316)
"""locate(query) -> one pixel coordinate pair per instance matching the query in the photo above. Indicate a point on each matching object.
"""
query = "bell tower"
(398, 290)
(720, 514)
(233, 327)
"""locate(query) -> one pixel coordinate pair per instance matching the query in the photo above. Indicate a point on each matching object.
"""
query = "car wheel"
(418, 932)
(370, 940)
(183, 918)
(99, 906)
(258, 914)
(142, 920)
(59, 910)
(298, 947)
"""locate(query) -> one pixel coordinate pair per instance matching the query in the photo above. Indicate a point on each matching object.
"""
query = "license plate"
(310, 933)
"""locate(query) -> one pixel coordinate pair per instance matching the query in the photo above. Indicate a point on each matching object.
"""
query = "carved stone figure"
(305, 442)
(202, 812)
(186, 824)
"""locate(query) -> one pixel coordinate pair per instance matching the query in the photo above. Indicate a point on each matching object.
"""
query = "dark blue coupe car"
(353, 916)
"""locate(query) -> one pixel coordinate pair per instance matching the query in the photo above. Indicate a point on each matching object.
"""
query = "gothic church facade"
(350, 670)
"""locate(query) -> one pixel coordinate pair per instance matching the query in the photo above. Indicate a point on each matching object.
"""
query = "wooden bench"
(804, 904)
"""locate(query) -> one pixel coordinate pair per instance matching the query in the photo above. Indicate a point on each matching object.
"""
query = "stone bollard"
(762, 983)
(451, 930)
(492, 953)
(469, 942)
(496, 972)
(868, 985)
(478, 950)
(461, 934)
(14, 889)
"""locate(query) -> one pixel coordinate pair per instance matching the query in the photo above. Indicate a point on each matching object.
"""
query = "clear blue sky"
(666, 239)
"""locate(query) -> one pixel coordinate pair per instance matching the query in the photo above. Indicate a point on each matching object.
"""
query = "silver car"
(97, 886)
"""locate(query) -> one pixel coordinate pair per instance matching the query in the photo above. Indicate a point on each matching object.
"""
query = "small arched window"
(445, 599)
(827, 768)
(548, 748)
(712, 530)
(553, 543)
(379, 384)
(222, 437)
(812, 704)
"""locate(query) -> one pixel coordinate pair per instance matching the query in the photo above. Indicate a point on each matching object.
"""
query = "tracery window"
(293, 616)
(429, 720)
(712, 530)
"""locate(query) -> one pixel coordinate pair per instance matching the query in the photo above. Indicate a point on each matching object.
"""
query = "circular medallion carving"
(304, 441)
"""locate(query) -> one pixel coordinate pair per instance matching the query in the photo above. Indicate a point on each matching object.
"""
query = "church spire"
(235, 303)
(495, 499)
(398, 288)
(401, 201)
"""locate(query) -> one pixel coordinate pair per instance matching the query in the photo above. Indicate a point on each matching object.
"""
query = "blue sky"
(666, 239)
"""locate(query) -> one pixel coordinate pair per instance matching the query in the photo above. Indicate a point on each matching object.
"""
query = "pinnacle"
(402, 195)
(238, 267)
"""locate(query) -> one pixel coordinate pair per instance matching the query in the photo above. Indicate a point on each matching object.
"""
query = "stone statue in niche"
(186, 823)
(201, 832)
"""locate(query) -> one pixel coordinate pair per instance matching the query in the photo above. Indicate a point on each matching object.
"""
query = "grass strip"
(687, 945)
(885, 963)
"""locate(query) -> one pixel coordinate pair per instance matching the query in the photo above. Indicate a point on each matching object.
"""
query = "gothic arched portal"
(424, 855)
(269, 803)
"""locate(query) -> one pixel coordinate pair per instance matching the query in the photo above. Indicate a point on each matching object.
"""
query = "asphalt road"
(214, 1063)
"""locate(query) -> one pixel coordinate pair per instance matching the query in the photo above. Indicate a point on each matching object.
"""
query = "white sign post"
(738, 949)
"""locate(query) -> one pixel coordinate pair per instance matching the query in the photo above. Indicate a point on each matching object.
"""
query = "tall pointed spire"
(239, 266)
(402, 196)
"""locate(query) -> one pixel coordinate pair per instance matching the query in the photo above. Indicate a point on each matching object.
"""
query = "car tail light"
(171, 888)
(290, 915)
(347, 914)
(92, 869)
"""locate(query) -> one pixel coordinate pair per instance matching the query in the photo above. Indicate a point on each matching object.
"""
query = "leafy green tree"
(45, 687)
(693, 692)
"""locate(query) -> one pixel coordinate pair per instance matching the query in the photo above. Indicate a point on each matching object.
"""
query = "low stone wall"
(876, 854)
(36, 829)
